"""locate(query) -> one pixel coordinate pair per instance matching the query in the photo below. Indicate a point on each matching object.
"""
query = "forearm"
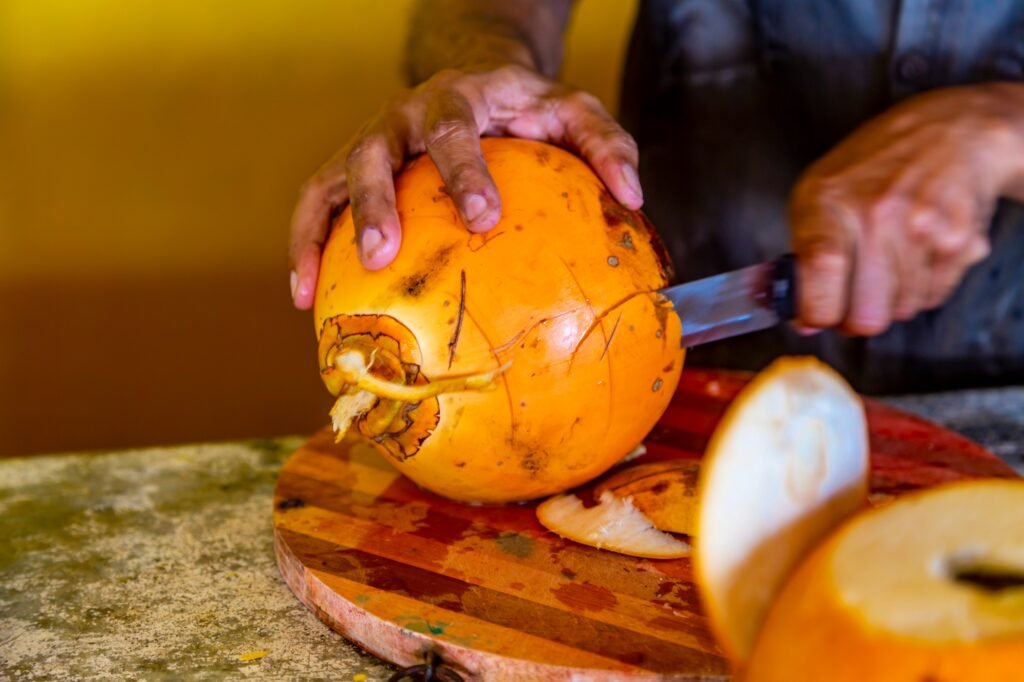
(465, 34)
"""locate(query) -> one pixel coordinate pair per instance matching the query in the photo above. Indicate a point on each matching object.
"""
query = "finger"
(320, 198)
(958, 245)
(582, 122)
(453, 141)
(910, 284)
(304, 275)
(824, 243)
(872, 291)
(913, 266)
(966, 217)
(371, 167)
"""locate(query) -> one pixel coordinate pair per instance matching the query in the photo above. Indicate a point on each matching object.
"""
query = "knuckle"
(629, 143)
(612, 144)
(369, 142)
(958, 243)
(821, 238)
(513, 72)
(581, 99)
(620, 140)
(444, 129)
(885, 210)
(951, 245)
(825, 260)
(923, 220)
(465, 177)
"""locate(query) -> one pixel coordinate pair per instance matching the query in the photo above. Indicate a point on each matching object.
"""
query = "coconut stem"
(382, 423)
(354, 370)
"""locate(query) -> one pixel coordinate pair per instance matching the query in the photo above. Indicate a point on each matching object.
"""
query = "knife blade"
(735, 303)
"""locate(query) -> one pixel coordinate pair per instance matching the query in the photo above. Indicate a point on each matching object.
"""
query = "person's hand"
(445, 117)
(886, 224)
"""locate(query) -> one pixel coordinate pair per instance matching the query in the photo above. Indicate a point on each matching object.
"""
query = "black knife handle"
(783, 291)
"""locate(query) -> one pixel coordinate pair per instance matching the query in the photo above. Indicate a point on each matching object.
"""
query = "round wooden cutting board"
(402, 572)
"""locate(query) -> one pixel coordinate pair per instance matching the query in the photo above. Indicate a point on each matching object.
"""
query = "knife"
(734, 303)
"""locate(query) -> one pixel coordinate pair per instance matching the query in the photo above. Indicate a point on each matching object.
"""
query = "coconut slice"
(665, 492)
(613, 523)
(786, 464)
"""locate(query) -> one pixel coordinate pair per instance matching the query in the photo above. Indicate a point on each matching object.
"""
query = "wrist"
(1002, 130)
(487, 55)
(469, 44)
(495, 54)
(475, 35)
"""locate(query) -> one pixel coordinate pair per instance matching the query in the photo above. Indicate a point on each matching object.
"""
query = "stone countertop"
(155, 564)
(159, 563)
(993, 417)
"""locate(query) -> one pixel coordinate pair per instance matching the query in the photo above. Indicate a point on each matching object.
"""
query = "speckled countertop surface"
(155, 564)
(159, 563)
(993, 417)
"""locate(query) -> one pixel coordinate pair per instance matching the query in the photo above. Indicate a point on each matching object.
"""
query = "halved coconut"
(928, 587)
(612, 523)
(787, 463)
(665, 492)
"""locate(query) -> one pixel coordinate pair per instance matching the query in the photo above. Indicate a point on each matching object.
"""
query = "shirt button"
(912, 67)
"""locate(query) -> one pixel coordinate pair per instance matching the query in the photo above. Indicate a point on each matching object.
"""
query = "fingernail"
(473, 207)
(371, 239)
(293, 279)
(632, 181)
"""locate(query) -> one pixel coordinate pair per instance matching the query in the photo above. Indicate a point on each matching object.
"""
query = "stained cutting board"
(400, 571)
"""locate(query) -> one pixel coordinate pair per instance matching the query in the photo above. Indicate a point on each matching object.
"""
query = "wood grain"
(400, 571)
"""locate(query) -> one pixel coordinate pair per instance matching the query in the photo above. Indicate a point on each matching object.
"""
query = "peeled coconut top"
(945, 565)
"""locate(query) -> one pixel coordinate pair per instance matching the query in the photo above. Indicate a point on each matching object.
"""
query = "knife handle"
(783, 287)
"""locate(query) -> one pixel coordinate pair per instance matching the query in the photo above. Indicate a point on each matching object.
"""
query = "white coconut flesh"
(943, 567)
(787, 463)
(613, 524)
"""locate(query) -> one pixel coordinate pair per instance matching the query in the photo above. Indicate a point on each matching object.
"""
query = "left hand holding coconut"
(485, 83)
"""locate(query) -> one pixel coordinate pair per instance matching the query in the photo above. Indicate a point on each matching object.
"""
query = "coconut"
(928, 587)
(509, 365)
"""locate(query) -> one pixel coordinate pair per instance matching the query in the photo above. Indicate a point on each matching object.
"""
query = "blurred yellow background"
(150, 156)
